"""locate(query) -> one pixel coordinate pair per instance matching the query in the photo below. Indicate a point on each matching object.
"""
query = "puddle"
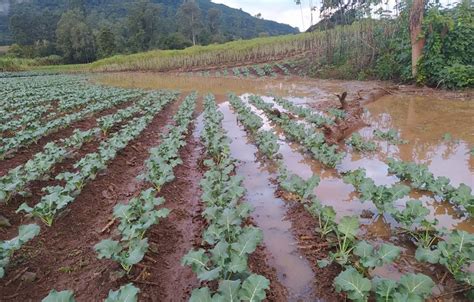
(305, 90)
(333, 191)
(423, 122)
(293, 270)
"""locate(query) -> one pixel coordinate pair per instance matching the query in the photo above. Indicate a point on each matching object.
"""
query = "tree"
(189, 18)
(214, 16)
(105, 43)
(416, 29)
(74, 38)
(142, 25)
(176, 41)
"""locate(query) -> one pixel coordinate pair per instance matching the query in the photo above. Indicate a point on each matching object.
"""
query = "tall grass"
(3, 49)
(358, 40)
(16, 64)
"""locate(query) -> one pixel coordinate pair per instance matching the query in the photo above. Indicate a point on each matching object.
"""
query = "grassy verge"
(356, 37)
(358, 42)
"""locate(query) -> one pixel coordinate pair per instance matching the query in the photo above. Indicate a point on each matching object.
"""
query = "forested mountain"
(105, 27)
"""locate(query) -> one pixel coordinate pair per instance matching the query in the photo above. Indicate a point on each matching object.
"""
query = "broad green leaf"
(387, 253)
(201, 295)
(136, 251)
(384, 289)
(363, 249)
(28, 232)
(209, 275)
(229, 290)
(416, 286)
(248, 241)
(107, 248)
(196, 259)
(349, 226)
(238, 263)
(254, 287)
(427, 255)
(63, 296)
(353, 284)
(220, 251)
(126, 293)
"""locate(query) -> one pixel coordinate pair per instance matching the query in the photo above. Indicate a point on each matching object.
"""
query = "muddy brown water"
(269, 212)
(423, 121)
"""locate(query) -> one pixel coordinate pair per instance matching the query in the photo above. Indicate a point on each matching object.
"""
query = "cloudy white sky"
(285, 11)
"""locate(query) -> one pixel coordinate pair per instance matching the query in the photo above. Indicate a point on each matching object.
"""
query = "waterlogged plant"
(328, 155)
(463, 196)
(455, 253)
(313, 141)
(251, 121)
(126, 293)
(309, 115)
(267, 143)
(391, 136)
(337, 113)
(421, 178)
(228, 241)
(228, 258)
(251, 289)
(414, 222)
(302, 189)
(383, 197)
(220, 188)
(8, 247)
(370, 257)
(343, 237)
(352, 283)
(126, 253)
(62, 296)
(358, 143)
(410, 287)
(215, 141)
(326, 216)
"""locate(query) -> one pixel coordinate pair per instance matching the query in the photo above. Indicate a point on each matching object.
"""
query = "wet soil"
(62, 256)
(22, 155)
(34, 188)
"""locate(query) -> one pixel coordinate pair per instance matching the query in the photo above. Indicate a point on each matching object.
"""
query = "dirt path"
(62, 256)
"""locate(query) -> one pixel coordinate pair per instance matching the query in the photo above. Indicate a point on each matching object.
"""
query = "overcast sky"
(284, 11)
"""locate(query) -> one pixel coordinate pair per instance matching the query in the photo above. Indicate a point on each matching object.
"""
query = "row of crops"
(221, 259)
(260, 71)
(135, 217)
(228, 239)
(55, 104)
(359, 258)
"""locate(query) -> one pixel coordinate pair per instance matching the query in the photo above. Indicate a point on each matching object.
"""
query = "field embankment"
(358, 38)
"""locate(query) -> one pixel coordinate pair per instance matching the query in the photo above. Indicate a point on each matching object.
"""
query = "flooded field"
(272, 185)
(439, 133)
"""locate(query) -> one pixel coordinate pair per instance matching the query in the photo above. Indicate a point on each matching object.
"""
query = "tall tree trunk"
(417, 42)
(193, 33)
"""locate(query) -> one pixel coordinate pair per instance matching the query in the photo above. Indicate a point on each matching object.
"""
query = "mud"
(269, 213)
(162, 277)
(22, 155)
(62, 256)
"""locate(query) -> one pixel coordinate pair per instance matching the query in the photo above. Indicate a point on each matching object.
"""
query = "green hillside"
(29, 21)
